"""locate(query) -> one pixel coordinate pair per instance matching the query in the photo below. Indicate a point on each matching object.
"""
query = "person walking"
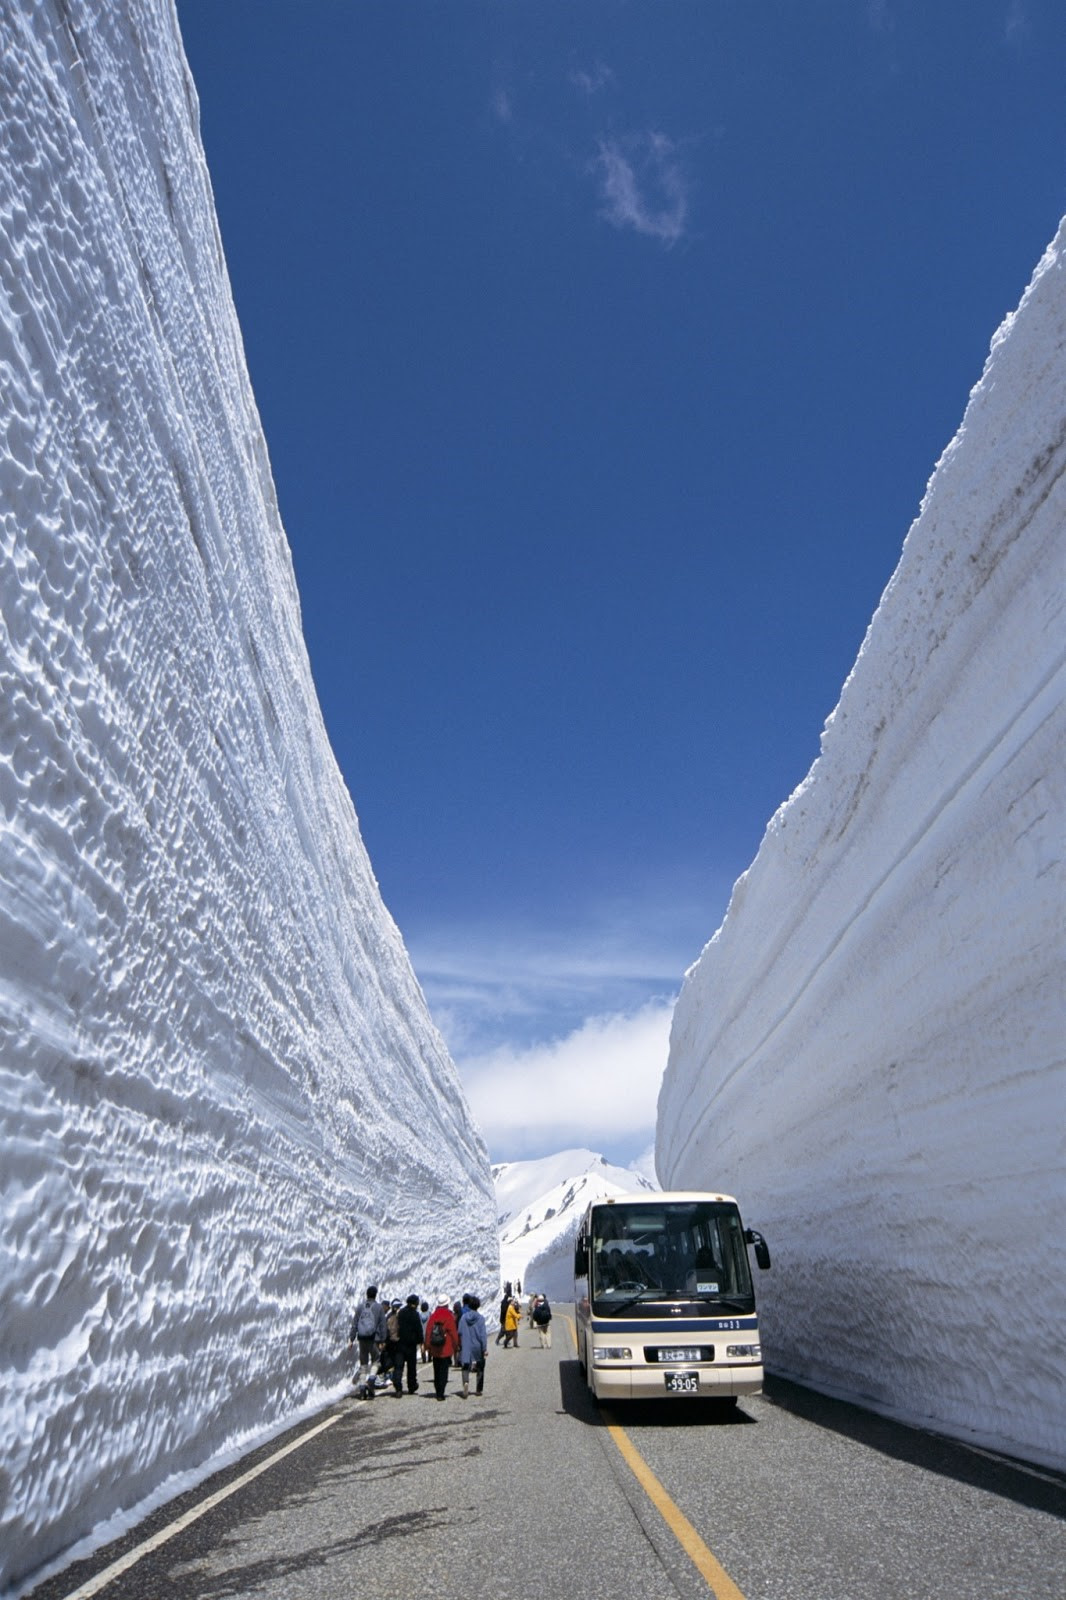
(392, 1341)
(504, 1303)
(458, 1307)
(473, 1345)
(423, 1315)
(442, 1339)
(368, 1330)
(542, 1318)
(511, 1320)
(408, 1339)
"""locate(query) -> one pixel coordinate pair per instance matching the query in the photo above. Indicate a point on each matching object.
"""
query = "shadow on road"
(577, 1402)
(930, 1451)
(251, 1577)
(348, 1454)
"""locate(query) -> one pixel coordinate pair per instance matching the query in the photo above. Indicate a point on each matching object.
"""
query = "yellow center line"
(709, 1568)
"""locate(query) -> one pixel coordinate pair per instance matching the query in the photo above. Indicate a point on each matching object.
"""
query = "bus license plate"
(683, 1382)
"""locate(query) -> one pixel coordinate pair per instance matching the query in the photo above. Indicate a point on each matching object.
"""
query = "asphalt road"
(527, 1491)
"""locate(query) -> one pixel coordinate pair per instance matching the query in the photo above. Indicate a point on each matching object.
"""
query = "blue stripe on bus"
(678, 1325)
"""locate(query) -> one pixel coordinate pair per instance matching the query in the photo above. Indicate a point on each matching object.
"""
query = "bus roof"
(644, 1198)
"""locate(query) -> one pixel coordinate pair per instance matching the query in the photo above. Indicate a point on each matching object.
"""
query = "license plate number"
(683, 1382)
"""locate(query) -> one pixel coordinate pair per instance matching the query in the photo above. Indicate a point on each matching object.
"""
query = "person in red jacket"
(442, 1342)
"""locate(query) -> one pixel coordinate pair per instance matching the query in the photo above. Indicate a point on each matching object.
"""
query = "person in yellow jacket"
(511, 1319)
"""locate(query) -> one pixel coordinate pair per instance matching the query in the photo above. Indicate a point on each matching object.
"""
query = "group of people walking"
(393, 1339)
(540, 1317)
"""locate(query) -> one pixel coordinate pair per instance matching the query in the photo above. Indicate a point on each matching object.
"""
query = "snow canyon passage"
(222, 1101)
(869, 1052)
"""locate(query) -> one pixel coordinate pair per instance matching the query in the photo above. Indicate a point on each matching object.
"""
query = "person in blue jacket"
(473, 1345)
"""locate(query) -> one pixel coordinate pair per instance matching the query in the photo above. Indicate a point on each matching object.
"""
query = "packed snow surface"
(539, 1207)
(223, 1105)
(869, 1053)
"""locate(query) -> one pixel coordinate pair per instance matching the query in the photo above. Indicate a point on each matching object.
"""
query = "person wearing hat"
(391, 1345)
(442, 1340)
(542, 1317)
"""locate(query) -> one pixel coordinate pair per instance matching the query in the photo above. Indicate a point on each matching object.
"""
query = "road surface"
(534, 1490)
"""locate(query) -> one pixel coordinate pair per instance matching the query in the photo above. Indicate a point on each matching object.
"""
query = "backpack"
(392, 1327)
(542, 1314)
(437, 1335)
(367, 1321)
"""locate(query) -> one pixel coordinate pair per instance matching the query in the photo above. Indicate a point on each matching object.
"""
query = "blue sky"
(603, 354)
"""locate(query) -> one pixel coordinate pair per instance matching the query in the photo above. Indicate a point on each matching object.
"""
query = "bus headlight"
(744, 1352)
(610, 1352)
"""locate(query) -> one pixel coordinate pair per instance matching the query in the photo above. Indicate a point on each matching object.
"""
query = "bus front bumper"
(648, 1382)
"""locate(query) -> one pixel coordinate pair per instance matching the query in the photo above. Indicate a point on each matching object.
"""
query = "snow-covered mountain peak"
(539, 1205)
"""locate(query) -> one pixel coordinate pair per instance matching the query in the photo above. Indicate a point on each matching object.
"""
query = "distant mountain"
(539, 1205)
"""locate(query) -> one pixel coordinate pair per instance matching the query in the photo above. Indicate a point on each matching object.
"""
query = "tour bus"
(664, 1299)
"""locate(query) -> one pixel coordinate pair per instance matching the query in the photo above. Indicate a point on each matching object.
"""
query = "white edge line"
(1005, 1461)
(130, 1559)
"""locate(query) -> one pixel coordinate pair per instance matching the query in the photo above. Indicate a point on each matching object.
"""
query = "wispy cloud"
(591, 83)
(642, 185)
(1017, 26)
(597, 1085)
(517, 983)
(514, 989)
(560, 1033)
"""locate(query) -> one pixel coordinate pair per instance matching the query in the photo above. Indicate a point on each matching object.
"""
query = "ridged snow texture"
(869, 1051)
(222, 1101)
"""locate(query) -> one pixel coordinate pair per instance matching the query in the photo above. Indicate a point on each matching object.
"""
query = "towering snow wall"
(869, 1052)
(222, 1101)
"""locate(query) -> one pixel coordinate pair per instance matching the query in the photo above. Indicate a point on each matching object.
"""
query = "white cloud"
(492, 984)
(644, 1163)
(596, 1085)
(643, 186)
(561, 1032)
(591, 83)
(1017, 27)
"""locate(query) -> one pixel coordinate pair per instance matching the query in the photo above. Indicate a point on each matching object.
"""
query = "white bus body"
(664, 1298)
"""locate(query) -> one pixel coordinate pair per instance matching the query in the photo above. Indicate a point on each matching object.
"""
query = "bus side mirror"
(581, 1258)
(762, 1249)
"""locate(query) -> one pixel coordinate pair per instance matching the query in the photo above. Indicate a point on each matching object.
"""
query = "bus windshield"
(679, 1250)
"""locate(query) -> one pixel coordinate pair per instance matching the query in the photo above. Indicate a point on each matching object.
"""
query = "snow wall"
(223, 1104)
(869, 1052)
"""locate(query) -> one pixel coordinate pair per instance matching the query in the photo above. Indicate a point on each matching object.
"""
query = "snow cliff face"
(222, 1102)
(869, 1052)
(539, 1209)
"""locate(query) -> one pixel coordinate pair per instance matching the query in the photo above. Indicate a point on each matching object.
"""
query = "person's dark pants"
(479, 1371)
(441, 1367)
(406, 1356)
